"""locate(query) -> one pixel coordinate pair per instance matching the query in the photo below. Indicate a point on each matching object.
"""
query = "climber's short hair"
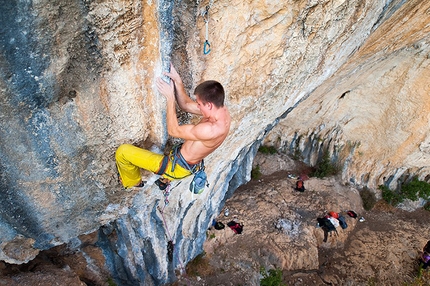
(211, 91)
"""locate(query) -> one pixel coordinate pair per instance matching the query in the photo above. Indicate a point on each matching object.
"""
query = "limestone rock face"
(372, 115)
(77, 80)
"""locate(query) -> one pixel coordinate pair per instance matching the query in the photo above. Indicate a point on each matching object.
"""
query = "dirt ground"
(380, 251)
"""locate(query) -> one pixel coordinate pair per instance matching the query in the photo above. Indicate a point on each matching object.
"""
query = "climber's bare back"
(210, 132)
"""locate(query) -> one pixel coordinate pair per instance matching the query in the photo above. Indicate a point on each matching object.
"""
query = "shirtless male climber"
(199, 140)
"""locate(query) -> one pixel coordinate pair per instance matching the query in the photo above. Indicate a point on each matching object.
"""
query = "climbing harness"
(176, 157)
(199, 181)
(205, 15)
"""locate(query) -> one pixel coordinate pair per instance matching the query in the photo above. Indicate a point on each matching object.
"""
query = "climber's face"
(204, 107)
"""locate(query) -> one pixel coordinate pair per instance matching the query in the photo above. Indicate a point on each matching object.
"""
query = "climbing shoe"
(140, 185)
(162, 185)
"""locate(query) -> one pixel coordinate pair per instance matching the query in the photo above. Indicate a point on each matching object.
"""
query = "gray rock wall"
(46, 156)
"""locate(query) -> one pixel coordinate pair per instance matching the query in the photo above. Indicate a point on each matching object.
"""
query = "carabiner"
(206, 47)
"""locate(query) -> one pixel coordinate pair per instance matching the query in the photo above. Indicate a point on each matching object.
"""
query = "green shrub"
(389, 196)
(427, 206)
(255, 173)
(416, 189)
(371, 281)
(368, 198)
(110, 282)
(324, 167)
(273, 277)
(422, 278)
(267, 150)
(199, 265)
(413, 190)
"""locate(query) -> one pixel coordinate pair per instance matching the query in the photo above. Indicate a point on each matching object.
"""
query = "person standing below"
(425, 256)
(200, 139)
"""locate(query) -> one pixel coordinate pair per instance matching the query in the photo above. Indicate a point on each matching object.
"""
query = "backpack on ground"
(342, 222)
(352, 214)
(219, 225)
(326, 224)
(334, 214)
(236, 227)
(300, 186)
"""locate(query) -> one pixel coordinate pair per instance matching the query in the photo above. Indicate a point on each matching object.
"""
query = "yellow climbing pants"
(130, 158)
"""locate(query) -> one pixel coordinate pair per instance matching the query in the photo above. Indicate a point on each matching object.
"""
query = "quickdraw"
(207, 45)
(166, 194)
(205, 14)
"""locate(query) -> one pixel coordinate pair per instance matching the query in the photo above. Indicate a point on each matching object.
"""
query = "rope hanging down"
(170, 244)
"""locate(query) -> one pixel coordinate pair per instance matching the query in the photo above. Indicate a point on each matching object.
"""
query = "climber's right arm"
(182, 98)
